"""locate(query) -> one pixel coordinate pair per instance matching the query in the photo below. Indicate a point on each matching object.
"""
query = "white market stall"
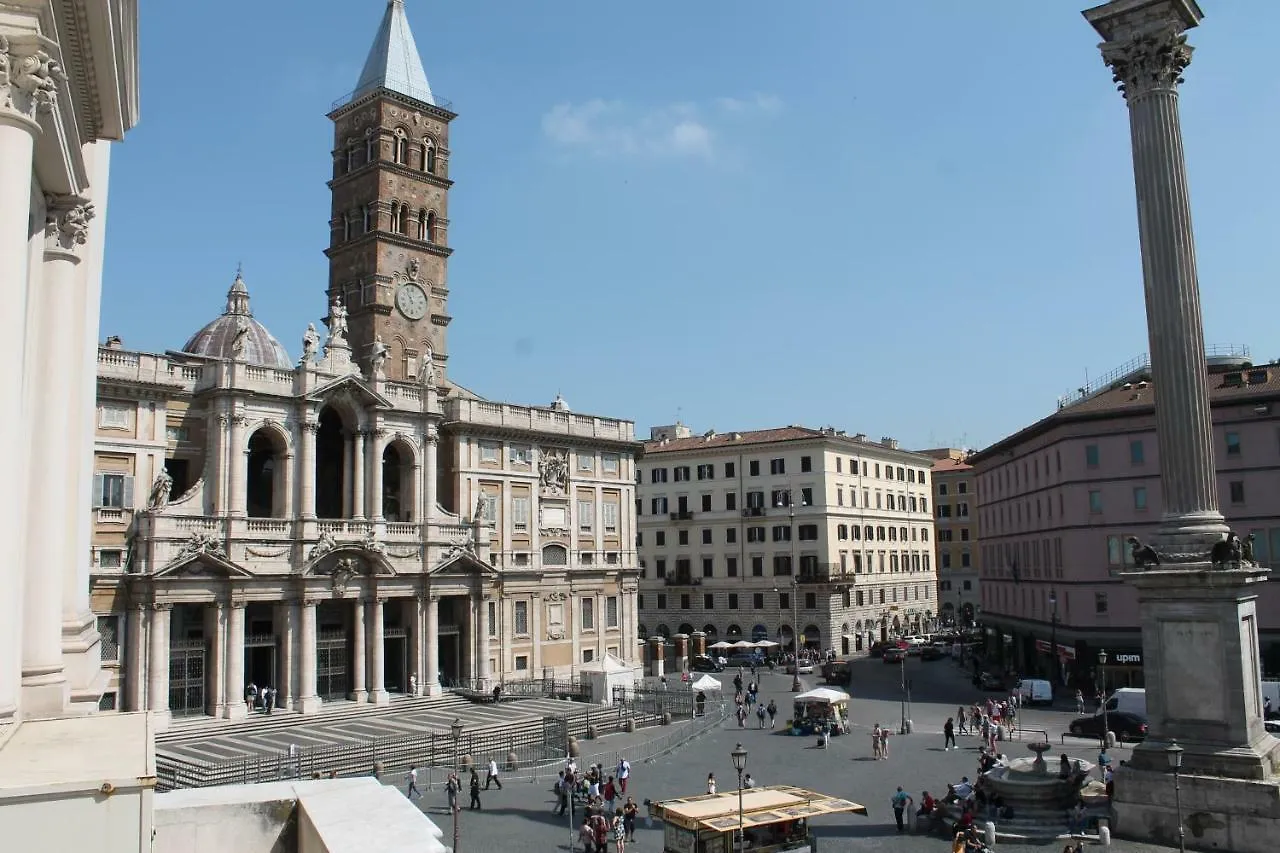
(605, 673)
(819, 708)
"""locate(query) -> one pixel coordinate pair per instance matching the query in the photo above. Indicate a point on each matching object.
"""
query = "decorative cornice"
(1148, 61)
(28, 80)
(66, 225)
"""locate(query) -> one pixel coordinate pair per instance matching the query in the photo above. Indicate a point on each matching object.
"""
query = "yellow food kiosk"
(773, 818)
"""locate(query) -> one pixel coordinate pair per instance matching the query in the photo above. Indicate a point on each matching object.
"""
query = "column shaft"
(218, 663)
(287, 632)
(348, 454)
(432, 684)
(235, 682)
(377, 444)
(238, 468)
(429, 483)
(483, 670)
(135, 638)
(218, 464)
(287, 485)
(417, 648)
(535, 631)
(307, 470)
(358, 449)
(377, 653)
(359, 652)
(158, 660)
(17, 145)
(310, 702)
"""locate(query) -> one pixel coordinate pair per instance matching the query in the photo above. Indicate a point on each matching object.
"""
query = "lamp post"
(795, 641)
(1102, 697)
(1055, 669)
(456, 728)
(1174, 753)
(739, 756)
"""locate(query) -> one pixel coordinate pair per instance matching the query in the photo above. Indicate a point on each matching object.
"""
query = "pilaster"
(235, 682)
(431, 686)
(158, 663)
(377, 653)
(359, 653)
(309, 702)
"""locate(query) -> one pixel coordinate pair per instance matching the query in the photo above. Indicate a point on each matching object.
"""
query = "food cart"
(820, 708)
(773, 818)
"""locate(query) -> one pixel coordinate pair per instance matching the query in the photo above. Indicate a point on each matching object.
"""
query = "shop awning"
(760, 806)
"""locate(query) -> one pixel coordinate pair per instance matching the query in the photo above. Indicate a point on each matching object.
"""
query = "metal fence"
(529, 747)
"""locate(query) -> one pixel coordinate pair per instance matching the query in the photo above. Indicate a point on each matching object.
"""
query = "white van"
(1034, 691)
(1131, 699)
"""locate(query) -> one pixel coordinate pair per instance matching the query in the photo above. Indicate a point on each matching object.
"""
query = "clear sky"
(906, 219)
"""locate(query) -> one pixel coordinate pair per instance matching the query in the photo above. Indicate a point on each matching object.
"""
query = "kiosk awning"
(760, 806)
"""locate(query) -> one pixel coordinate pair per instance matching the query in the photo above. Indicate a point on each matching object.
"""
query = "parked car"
(878, 648)
(894, 655)
(987, 681)
(1125, 724)
(702, 663)
(932, 652)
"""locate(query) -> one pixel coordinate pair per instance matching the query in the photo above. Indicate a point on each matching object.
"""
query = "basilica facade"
(353, 523)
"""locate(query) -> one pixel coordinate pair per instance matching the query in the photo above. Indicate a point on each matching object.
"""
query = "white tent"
(823, 694)
(705, 683)
(606, 673)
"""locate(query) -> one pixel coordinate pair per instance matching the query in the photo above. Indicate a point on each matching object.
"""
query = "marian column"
(1145, 44)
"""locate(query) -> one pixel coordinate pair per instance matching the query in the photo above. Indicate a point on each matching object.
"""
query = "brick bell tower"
(388, 248)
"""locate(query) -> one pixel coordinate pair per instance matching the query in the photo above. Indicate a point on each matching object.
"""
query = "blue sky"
(907, 219)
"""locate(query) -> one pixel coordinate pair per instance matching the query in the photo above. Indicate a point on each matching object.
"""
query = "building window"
(611, 612)
(1139, 497)
(708, 601)
(806, 464)
(522, 663)
(784, 601)
(109, 629)
(493, 618)
(660, 537)
(1099, 602)
(806, 496)
(708, 565)
(1233, 444)
(962, 488)
(110, 559)
(777, 466)
(781, 564)
(731, 566)
(520, 454)
(729, 470)
(733, 601)
(588, 655)
(731, 535)
(586, 462)
(113, 416)
(942, 489)
(640, 600)
(1091, 455)
(662, 601)
(682, 537)
(757, 567)
(609, 462)
(810, 601)
(731, 501)
(781, 533)
(488, 452)
(176, 434)
(706, 472)
(586, 516)
(1237, 491)
(113, 491)
(522, 617)
(588, 614)
(706, 503)
(610, 511)
(808, 532)
(1137, 455)
(684, 602)
(658, 506)
(1095, 501)
(706, 536)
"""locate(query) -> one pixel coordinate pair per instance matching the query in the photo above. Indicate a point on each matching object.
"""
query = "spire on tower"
(393, 62)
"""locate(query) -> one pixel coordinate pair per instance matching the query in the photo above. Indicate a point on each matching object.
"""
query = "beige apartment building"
(766, 533)
(353, 523)
(955, 505)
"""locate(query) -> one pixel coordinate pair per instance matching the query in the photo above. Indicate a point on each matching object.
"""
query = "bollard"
(907, 727)
(1104, 835)
(990, 833)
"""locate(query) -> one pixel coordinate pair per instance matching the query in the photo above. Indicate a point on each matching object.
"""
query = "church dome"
(217, 339)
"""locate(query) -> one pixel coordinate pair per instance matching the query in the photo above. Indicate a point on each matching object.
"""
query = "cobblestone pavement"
(519, 818)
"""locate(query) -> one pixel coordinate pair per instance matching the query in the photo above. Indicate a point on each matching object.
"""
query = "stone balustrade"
(538, 419)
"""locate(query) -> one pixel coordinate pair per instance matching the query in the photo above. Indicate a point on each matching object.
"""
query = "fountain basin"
(1030, 783)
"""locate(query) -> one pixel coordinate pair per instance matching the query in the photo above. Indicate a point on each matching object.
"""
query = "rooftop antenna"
(679, 412)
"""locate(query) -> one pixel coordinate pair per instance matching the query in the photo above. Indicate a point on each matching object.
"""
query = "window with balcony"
(682, 504)
(520, 514)
(755, 500)
(113, 491)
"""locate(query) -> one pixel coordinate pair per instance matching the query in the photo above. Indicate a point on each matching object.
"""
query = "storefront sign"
(1128, 659)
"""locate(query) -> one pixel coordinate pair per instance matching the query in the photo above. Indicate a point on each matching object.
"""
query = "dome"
(217, 338)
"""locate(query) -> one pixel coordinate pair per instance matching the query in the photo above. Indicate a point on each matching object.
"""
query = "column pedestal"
(431, 683)
(359, 653)
(236, 709)
(377, 655)
(308, 701)
(656, 655)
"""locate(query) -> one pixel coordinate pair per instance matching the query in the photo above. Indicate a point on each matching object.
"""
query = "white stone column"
(287, 485)
(235, 681)
(239, 469)
(158, 660)
(309, 703)
(359, 447)
(18, 131)
(348, 453)
(483, 670)
(535, 632)
(419, 513)
(307, 469)
(217, 474)
(377, 653)
(1147, 51)
(286, 630)
(135, 637)
(217, 648)
(431, 685)
(359, 653)
(417, 644)
(429, 483)
(377, 444)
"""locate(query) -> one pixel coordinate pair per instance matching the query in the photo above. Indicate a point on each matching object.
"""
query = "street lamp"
(1174, 754)
(1053, 639)
(739, 756)
(795, 642)
(1102, 694)
(456, 728)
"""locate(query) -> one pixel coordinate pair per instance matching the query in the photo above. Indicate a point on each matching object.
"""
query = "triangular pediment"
(461, 563)
(202, 564)
(354, 389)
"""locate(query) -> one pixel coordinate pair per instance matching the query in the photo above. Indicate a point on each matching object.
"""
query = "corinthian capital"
(1148, 60)
(66, 224)
(29, 79)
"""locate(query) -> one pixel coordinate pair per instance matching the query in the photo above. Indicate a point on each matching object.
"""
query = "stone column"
(377, 444)
(483, 670)
(418, 512)
(682, 652)
(238, 469)
(359, 653)
(377, 653)
(417, 646)
(1145, 45)
(359, 447)
(235, 682)
(535, 633)
(30, 88)
(656, 648)
(307, 469)
(699, 643)
(429, 483)
(158, 660)
(431, 684)
(286, 629)
(135, 637)
(309, 702)
(287, 485)
(218, 660)
(218, 462)
(347, 464)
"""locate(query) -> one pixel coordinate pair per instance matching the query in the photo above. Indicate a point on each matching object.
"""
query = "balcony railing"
(682, 580)
(753, 512)
(682, 515)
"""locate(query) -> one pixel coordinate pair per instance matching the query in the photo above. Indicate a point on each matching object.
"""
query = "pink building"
(1057, 500)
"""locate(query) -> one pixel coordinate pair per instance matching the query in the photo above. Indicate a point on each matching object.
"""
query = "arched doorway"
(685, 628)
(786, 638)
(663, 631)
(812, 637)
(734, 633)
(758, 633)
(711, 632)
(397, 482)
(642, 633)
(264, 489)
(331, 457)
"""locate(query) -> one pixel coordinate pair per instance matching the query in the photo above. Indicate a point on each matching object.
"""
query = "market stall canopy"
(744, 644)
(706, 682)
(721, 645)
(760, 806)
(606, 674)
(823, 694)
(766, 644)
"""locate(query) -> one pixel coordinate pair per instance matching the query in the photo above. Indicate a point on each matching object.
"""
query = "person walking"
(619, 827)
(760, 714)
(624, 773)
(962, 719)
(587, 835)
(1079, 702)
(900, 801)
(629, 813)
(884, 743)
(948, 735)
(711, 783)
(411, 780)
(876, 754)
(475, 790)
(772, 710)
(452, 788)
(610, 793)
(493, 775)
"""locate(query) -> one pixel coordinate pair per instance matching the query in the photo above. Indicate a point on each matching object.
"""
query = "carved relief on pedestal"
(553, 470)
(1148, 60)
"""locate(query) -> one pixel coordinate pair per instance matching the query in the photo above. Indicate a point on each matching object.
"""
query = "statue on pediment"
(203, 542)
(324, 545)
(310, 344)
(370, 543)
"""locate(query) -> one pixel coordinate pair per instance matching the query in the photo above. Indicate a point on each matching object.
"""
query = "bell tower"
(388, 247)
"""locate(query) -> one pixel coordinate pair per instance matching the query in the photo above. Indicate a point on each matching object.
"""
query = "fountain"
(1028, 785)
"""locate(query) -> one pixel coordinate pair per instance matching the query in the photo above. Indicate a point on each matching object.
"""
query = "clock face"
(412, 301)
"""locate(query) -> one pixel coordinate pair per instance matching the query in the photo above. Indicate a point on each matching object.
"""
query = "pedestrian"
(600, 829)
(610, 793)
(900, 801)
(493, 775)
(250, 695)
(1079, 702)
(587, 835)
(748, 782)
(962, 718)
(711, 783)
(773, 712)
(475, 790)
(948, 735)
(624, 773)
(884, 743)
(875, 743)
(412, 782)
(561, 790)
(453, 787)
(760, 714)
(629, 813)
(619, 828)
